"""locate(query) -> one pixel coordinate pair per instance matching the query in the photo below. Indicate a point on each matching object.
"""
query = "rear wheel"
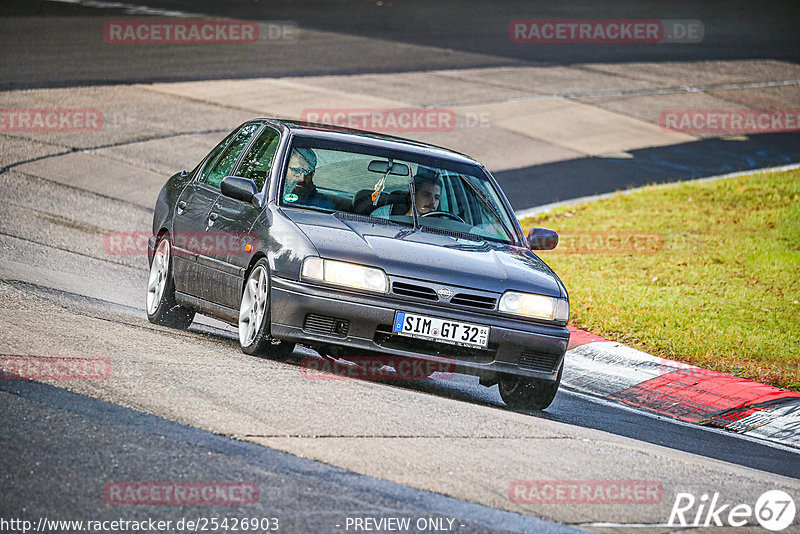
(162, 308)
(522, 393)
(254, 320)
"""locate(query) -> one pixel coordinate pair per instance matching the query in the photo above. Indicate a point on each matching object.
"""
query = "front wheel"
(525, 394)
(162, 308)
(254, 321)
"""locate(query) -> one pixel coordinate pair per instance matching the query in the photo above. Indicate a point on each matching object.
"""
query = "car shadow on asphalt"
(454, 386)
(576, 409)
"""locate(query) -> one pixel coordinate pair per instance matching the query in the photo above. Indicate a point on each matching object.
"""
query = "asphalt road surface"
(190, 407)
(57, 44)
(61, 450)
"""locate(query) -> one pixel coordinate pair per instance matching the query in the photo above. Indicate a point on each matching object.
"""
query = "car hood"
(408, 252)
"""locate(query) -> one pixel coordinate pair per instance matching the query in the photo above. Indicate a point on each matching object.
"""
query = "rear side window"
(226, 161)
(257, 161)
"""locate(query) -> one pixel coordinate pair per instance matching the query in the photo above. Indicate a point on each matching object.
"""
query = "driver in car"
(427, 193)
(300, 180)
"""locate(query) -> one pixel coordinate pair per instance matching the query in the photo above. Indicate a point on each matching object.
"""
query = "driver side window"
(257, 161)
(224, 165)
(207, 163)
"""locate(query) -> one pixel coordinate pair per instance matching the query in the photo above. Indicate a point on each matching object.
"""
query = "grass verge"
(706, 273)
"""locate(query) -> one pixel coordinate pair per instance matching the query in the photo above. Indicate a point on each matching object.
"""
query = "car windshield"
(397, 187)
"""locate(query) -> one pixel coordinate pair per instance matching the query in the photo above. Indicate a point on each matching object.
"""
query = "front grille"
(322, 324)
(534, 361)
(474, 301)
(386, 338)
(414, 290)
(425, 292)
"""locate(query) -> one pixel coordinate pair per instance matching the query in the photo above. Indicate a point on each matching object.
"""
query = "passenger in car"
(427, 193)
(300, 188)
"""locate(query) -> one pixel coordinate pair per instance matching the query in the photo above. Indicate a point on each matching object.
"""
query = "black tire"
(258, 341)
(161, 306)
(523, 394)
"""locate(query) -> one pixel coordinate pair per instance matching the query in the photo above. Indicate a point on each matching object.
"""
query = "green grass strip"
(706, 273)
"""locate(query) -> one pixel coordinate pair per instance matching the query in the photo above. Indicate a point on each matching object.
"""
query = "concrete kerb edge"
(691, 394)
(604, 368)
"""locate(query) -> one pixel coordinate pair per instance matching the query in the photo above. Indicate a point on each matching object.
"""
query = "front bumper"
(323, 316)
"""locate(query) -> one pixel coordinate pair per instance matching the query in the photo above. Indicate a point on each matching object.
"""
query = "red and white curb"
(608, 369)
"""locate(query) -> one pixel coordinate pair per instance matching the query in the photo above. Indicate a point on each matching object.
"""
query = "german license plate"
(442, 330)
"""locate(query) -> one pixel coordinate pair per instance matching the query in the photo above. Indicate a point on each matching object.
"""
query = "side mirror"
(239, 188)
(542, 238)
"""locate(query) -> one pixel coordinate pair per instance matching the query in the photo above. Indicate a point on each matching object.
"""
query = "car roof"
(350, 135)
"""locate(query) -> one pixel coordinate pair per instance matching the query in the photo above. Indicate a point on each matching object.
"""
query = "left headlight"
(345, 274)
(534, 306)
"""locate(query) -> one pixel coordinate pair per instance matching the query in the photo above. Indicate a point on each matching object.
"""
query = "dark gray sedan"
(356, 244)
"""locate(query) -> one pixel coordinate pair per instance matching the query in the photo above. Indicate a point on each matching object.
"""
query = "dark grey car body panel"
(427, 255)
(212, 284)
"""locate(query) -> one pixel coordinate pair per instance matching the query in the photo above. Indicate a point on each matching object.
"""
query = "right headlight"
(534, 306)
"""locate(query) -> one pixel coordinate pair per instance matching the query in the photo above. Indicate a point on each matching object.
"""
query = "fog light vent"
(534, 361)
(322, 324)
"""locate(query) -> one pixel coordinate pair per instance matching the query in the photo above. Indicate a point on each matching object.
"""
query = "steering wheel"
(444, 214)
